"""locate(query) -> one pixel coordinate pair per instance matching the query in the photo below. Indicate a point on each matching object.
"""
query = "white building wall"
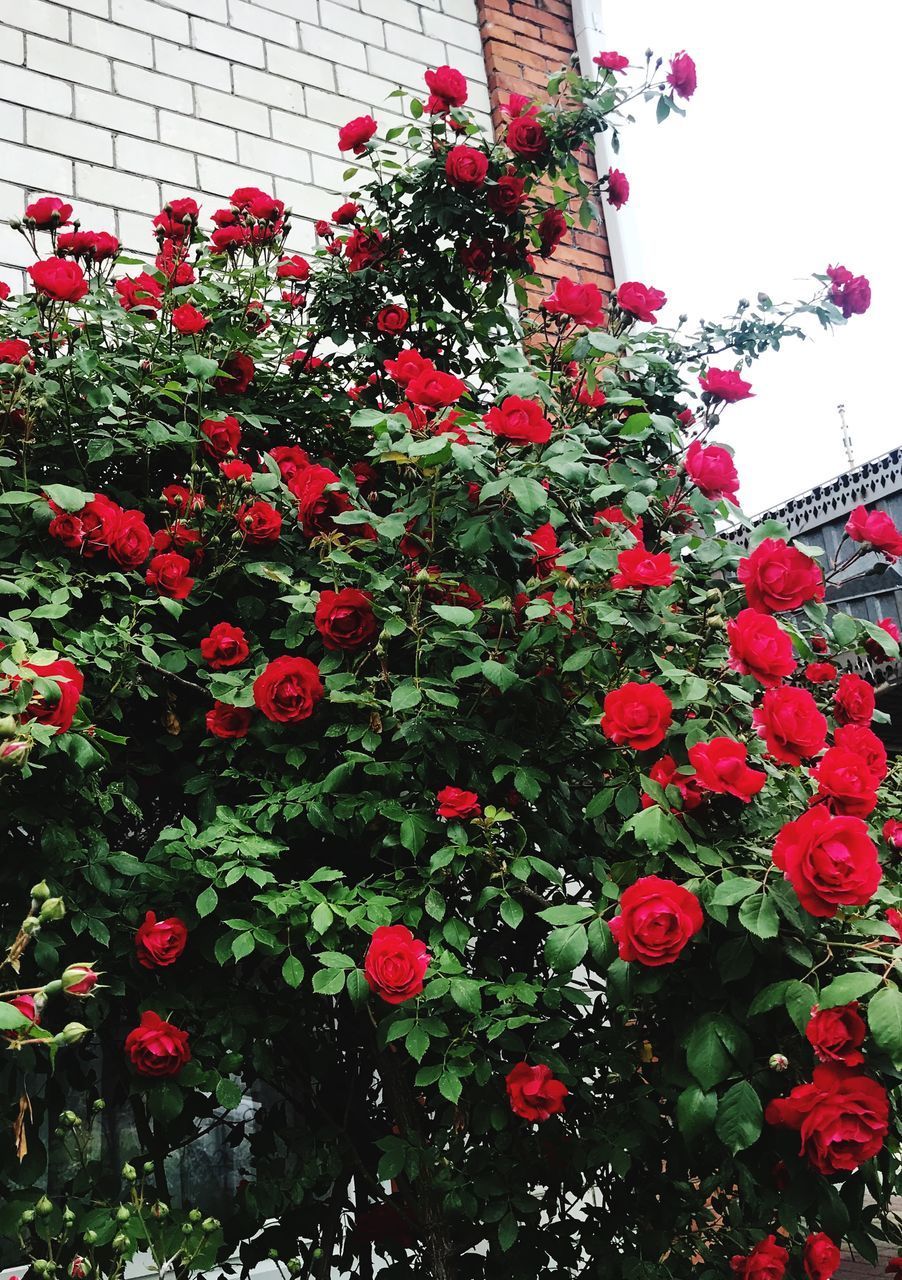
(123, 104)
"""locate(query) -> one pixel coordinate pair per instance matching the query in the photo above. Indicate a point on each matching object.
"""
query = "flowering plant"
(418, 754)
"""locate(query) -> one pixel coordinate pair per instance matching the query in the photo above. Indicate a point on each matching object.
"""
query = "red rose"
(466, 166)
(518, 420)
(526, 137)
(363, 249)
(712, 471)
(231, 237)
(892, 833)
(720, 766)
(223, 436)
(79, 979)
(293, 268)
(434, 389)
(615, 517)
(791, 725)
(259, 522)
(226, 646)
(392, 319)
(288, 689)
(640, 300)
(345, 214)
(820, 1257)
(877, 529)
(447, 88)
(5, 290)
(852, 294)
(611, 61)
(100, 519)
(845, 782)
(545, 549)
(226, 721)
(894, 920)
(70, 682)
(854, 701)
(640, 568)
(837, 1034)
(181, 498)
(767, 1261)
(170, 575)
(177, 218)
(618, 188)
(170, 262)
(657, 919)
(157, 1048)
(188, 320)
(407, 365)
(582, 303)
(759, 647)
(829, 860)
(682, 78)
(130, 542)
(139, 293)
(26, 1006)
(395, 964)
(507, 195)
(48, 212)
(290, 459)
(317, 504)
(159, 943)
(842, 1118)
(820, 672)
(354, 135)
(637, 715)
(236, 470)
(237, 374)
(552, 228)
(16, 351)
(455, 803)
(345, 619)
(778, 578)
(726, 385)
(666, 772)
(534, 1093)
(58, 279)
(865, 743)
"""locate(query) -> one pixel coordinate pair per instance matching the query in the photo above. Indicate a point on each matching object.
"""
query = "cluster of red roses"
(156, 1048)
(768, 1260)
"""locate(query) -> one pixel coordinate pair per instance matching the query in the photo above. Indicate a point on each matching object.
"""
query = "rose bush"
(415, 752)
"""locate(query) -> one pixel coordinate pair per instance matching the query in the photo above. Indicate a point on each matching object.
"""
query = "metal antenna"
(846, 436)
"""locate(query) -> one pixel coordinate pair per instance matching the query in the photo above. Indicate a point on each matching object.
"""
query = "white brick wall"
(122, 104)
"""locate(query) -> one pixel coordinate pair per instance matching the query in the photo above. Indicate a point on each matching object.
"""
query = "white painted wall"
(123, 104)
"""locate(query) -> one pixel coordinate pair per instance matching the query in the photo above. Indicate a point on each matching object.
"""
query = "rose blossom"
(611, 61)
(157, 1048)
(791, 725)
(159, 943)
(720, 766)
(534, 1092)
(455, 803)
(759, 647)
(345, 619)
(640, 300)
(518, 420)
(618, 188)
(139, 293)
(657, 919)
(447, 88)
(767, 1261)
(222, 436)
(552, 228)
(582, 303)
(354, 135)
(237, 374)
(169, 574)
(526, 137)
(637, 715)
(845, 782)
(854, 701)
(892, 833)
(226, 721)
(820, 1257)
(130, 541)
(837, 1034)
(865, 743)
(877, 529)
(726, 385)
(188, 320)
(712, 471)
(545, 550)
(70, 682)
(79, 979)
(779, 578)
(820, 672)
(829, 860)
(466, 166)
(666, 772)
(435, 390)
(842, 1118)
(395, 964)
(682, 77)
(637, 567)
(852, 294)
(59, 280)
(48, 212)
(226, 646)
(288, 689)
(259, 522)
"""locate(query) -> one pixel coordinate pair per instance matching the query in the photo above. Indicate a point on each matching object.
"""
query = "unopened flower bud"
(148, 1166)
(79, 979)
(43, 1207)
(52, 909)
(30, 925)
(90, 1237)
(70, 1119)
(210, 1224)
(160, 1210)
(778, 1062)
(187, 1228)
(71, 1033)
(9, 726)
(123, 1213)
(120, 1242)
(79, 1268)
(14, 753)
(26, 1217)
(99, 1104)
(195, 1215)
(40, 892)
(129, 1173)
(68, 1217)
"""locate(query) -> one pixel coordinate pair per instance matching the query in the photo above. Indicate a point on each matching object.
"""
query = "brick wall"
(525, 42)
(122, 104)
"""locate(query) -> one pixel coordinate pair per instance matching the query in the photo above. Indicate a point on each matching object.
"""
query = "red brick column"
(524, 42)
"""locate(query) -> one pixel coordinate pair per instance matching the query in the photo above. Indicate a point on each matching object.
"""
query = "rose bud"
(52, 909)
(71, 1033)
(14, 753)
(778, 1062)
(79, 979)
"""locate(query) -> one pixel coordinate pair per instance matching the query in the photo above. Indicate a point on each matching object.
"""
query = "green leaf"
(207, 901)
(511, 912)
(759, 915)
(455, 613)
(731, 891)
(292, 971)
(64, 496)
(710, 1049)
(847, 987)
(498, 674)
(417, 1042)
(739, 1117)
(449, 1086)
(322, 917)
(413, 833)
(529, 495)
(11, 1019)
(507, 1232)
(243, 945)
(565, 948)
(655, 827)
(567, 913)
(695, 1112)
(328, 982)
(885, 1021)
(229, 1093)
(798, 1000)
(406, 696)
(771, 997)
(466, 994)
(200, 366)
(844, 628)
(602, 946)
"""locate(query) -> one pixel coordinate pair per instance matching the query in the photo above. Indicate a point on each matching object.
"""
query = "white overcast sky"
(788, 160)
